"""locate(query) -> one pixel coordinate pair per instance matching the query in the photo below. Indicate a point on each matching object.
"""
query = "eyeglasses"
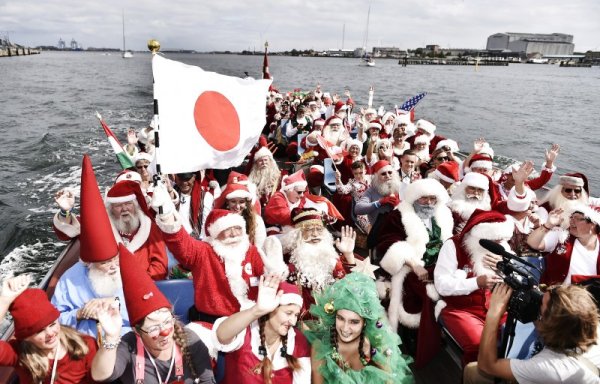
(442, 158)
(300, 192)
(388, 173)
(571, 190)
(154, 331)
(142, 166)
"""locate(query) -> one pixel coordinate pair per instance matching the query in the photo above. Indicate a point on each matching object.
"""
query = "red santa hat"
(426, 126)
(422, 139)
(476, 180)
(142, 297)
(316, 175)
(386, 117)
(129, 175)
(591, 213)
(487, 150)
(453, 145)
(304, 216)
(233, 191)
(340, 106)
(125, 191)
(295, 180)
(447, 171)
(490, 225)
(426, 187)
(480, 161)
(263, 152)
(97, 241)
(291, 294)
(32, 312)
(219, 220)
(318, 123)
(378, 166)
(237, 178)
(520, 203)
(335, 120)
(370, 111)
(375, 124)
(575, 178)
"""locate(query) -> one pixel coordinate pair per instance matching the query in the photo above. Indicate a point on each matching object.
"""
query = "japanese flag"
(206, 120)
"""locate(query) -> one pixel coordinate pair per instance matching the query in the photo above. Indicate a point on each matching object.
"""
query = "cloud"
(237, 25)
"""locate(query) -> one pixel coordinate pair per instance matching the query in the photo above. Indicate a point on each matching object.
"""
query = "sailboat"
(366, 59)
(126, 54)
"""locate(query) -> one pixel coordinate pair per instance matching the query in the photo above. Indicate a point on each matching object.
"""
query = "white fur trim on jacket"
(394, 260)
(72, 230)
(170, 223)
(441, 304)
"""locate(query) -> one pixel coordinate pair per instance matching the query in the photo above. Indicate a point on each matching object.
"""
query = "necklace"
(156, 368)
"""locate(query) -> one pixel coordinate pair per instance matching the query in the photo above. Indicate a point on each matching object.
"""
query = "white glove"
(65, 198)
(161, 198)
(381, 110)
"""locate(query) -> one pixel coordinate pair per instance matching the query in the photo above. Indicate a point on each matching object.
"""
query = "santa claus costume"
(248, 349)
(406, 239)
(464, 304)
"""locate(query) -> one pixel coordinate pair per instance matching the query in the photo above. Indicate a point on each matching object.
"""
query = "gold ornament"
(153, 45)
(329, 308)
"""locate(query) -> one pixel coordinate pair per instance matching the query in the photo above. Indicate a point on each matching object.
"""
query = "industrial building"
(545, 44)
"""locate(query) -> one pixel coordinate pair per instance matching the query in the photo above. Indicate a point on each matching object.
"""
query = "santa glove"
(162, 199)
(391, 200)
(65, 198)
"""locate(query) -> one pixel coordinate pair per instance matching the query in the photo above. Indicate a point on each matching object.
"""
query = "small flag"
(266, 74)
(327, 146)
(207, 120)
(411, 103)
(124, 159)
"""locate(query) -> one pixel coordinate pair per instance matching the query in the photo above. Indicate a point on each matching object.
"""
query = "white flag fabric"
(206, 120)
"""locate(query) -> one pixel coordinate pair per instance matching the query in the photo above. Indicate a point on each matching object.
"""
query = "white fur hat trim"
(228, 221)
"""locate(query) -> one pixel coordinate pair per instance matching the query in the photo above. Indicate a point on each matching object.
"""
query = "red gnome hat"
(142, 297)
(32, 312)
(97, 239)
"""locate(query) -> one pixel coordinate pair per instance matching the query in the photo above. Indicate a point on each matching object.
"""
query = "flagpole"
(154, 47)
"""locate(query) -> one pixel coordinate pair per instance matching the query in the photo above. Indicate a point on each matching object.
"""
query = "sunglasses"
(442, 158)
(142, 166)
(571, 190)
(388, 173)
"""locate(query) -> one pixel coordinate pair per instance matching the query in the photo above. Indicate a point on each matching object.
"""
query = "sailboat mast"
(367, 32)
(123, 30)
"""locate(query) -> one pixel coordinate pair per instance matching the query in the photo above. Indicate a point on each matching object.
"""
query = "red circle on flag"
(217, 120)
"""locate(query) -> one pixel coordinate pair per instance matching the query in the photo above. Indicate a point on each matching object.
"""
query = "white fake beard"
(389, 187)
(476, 253)
(265, 178)
(315, 262)
(129, 225)
(465, 207)
(231, 249)
(332, 136)
(104, 284)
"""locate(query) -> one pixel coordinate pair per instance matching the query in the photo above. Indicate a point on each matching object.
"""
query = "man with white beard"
(265, 174)
(571, 191)
(130, 219)
(83, 289)
(314, 262)
(225, 267)
(469, 195)
(383, 194)
(408, 243)
(463, 277)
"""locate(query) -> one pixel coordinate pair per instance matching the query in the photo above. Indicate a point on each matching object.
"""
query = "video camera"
(526, 300)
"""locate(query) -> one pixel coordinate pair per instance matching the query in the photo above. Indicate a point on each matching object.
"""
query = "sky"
(237, 25)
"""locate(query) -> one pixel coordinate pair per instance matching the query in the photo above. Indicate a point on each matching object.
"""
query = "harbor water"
(48, 101)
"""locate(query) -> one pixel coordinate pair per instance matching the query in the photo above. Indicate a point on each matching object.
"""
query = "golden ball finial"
(153, 45)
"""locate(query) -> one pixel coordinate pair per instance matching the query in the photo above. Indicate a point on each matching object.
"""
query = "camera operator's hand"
(490, 261)
(487, 281)
(499, 299)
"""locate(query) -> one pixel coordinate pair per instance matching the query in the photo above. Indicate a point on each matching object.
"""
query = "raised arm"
(11, 288)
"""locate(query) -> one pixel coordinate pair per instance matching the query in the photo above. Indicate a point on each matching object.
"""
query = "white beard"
(315, 262)
(557, 200)
(476, 253)
(231, 252)
(465, 208)
(331, 136)
(104, 284)
(126, 226)
(389, 187)
(424, 155)
(265, 179)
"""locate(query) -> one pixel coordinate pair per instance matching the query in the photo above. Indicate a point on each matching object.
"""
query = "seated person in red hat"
(96, 278)
(130, 218)
(314, 262)
(225, 267)
(262, 343)
(42, 350)
(160, 349)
